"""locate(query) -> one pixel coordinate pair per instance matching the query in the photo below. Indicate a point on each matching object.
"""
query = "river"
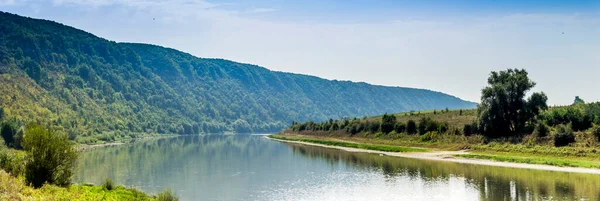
(251, 167)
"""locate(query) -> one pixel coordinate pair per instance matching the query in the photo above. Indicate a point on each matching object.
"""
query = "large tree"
(503, 110)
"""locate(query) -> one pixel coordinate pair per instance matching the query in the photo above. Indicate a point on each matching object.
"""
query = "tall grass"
(167, 195)
(108, 184)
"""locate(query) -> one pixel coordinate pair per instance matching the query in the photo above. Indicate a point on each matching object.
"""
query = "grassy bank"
(12, 188)
(561, 162)
(502, 152)
(351, 145)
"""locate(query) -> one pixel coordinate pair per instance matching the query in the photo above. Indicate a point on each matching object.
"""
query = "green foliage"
(429, 136)
(578, 101)
(428, 125)
(12, 161)
(387, 123)
(8, 131)
(596, 132)
(467, 130)
(167, 195)
(503, 110)
(108, 184)
(51, 157)
(400, 127)
(580, 116)
(92, 86)
(411, 127)
(563, 135)
(541, 130)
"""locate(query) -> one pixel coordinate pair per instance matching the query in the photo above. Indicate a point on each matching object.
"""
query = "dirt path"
(449, 157)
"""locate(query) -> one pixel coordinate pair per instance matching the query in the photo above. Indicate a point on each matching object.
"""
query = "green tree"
(387, 123)
(578, 101)
(9, 132)
(51, 157)
(503, 109)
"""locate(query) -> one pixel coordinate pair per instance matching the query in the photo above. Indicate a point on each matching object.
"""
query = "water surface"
(243, 167)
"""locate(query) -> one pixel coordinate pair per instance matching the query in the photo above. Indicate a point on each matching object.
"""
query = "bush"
(387, 123)
(541, 130)
(596, 132)
(467, 130)
(411, 127)
(12, 161)
(108, 184)
(428, 125)
(167, 195)
(10, 133)
(563, 135)
(50, 157)
(400, 127)
(429, 136)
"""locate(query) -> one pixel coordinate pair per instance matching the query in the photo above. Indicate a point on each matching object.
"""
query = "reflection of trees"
(493, 183)
(145, 162)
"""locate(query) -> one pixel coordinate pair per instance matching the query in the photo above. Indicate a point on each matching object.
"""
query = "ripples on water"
(254, 168)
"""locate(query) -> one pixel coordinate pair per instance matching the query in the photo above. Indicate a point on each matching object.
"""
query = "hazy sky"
(440, 45)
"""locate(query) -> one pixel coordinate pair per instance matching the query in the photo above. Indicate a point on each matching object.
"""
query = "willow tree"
(503, 110)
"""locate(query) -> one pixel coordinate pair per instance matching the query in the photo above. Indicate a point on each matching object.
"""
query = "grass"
(13, 188)
(167, 195)
(534, 160)
(495, 151)
(352, 145)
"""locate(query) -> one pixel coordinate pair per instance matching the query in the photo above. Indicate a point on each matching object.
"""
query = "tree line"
(504, 112)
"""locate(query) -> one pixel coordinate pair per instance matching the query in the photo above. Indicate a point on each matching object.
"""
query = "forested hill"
(77, 82)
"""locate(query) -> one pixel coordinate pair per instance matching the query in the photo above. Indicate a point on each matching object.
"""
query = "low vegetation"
(37, 163)
(505, 122)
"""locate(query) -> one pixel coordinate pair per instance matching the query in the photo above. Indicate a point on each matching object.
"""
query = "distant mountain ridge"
(75, 81)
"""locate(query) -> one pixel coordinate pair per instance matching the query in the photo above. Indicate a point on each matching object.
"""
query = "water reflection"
(255, 168)
(492, 183)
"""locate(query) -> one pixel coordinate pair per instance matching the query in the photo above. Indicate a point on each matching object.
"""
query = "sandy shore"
(448, 156)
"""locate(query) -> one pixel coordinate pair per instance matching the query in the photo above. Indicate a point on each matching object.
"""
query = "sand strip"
(448, 157)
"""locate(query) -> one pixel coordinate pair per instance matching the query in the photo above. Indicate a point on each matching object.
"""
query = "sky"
(446, 46)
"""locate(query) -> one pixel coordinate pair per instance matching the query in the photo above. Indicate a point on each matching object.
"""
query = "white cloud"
(261, 10)
(7, 2)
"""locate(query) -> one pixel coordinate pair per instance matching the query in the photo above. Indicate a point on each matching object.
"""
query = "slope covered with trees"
(73, 81)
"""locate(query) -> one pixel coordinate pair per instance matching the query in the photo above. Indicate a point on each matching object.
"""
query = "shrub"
(563, 135)
(50, 157)
(596, 132)
(167, 195)
(9, 132)
(387, 123)
(541, 130)
(429, 136)
(467, 130)
(12, 162)
(108, 184)
(411, 127)
(427, 125)
(400, 127)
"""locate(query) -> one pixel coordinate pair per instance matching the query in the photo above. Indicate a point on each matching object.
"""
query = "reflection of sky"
(448, 46)
(254, 168)
(371, 185)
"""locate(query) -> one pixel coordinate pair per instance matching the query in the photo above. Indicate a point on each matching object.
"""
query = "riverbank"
(460, 156)
(14, 188)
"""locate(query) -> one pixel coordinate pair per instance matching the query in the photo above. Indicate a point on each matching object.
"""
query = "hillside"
(74, 81)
